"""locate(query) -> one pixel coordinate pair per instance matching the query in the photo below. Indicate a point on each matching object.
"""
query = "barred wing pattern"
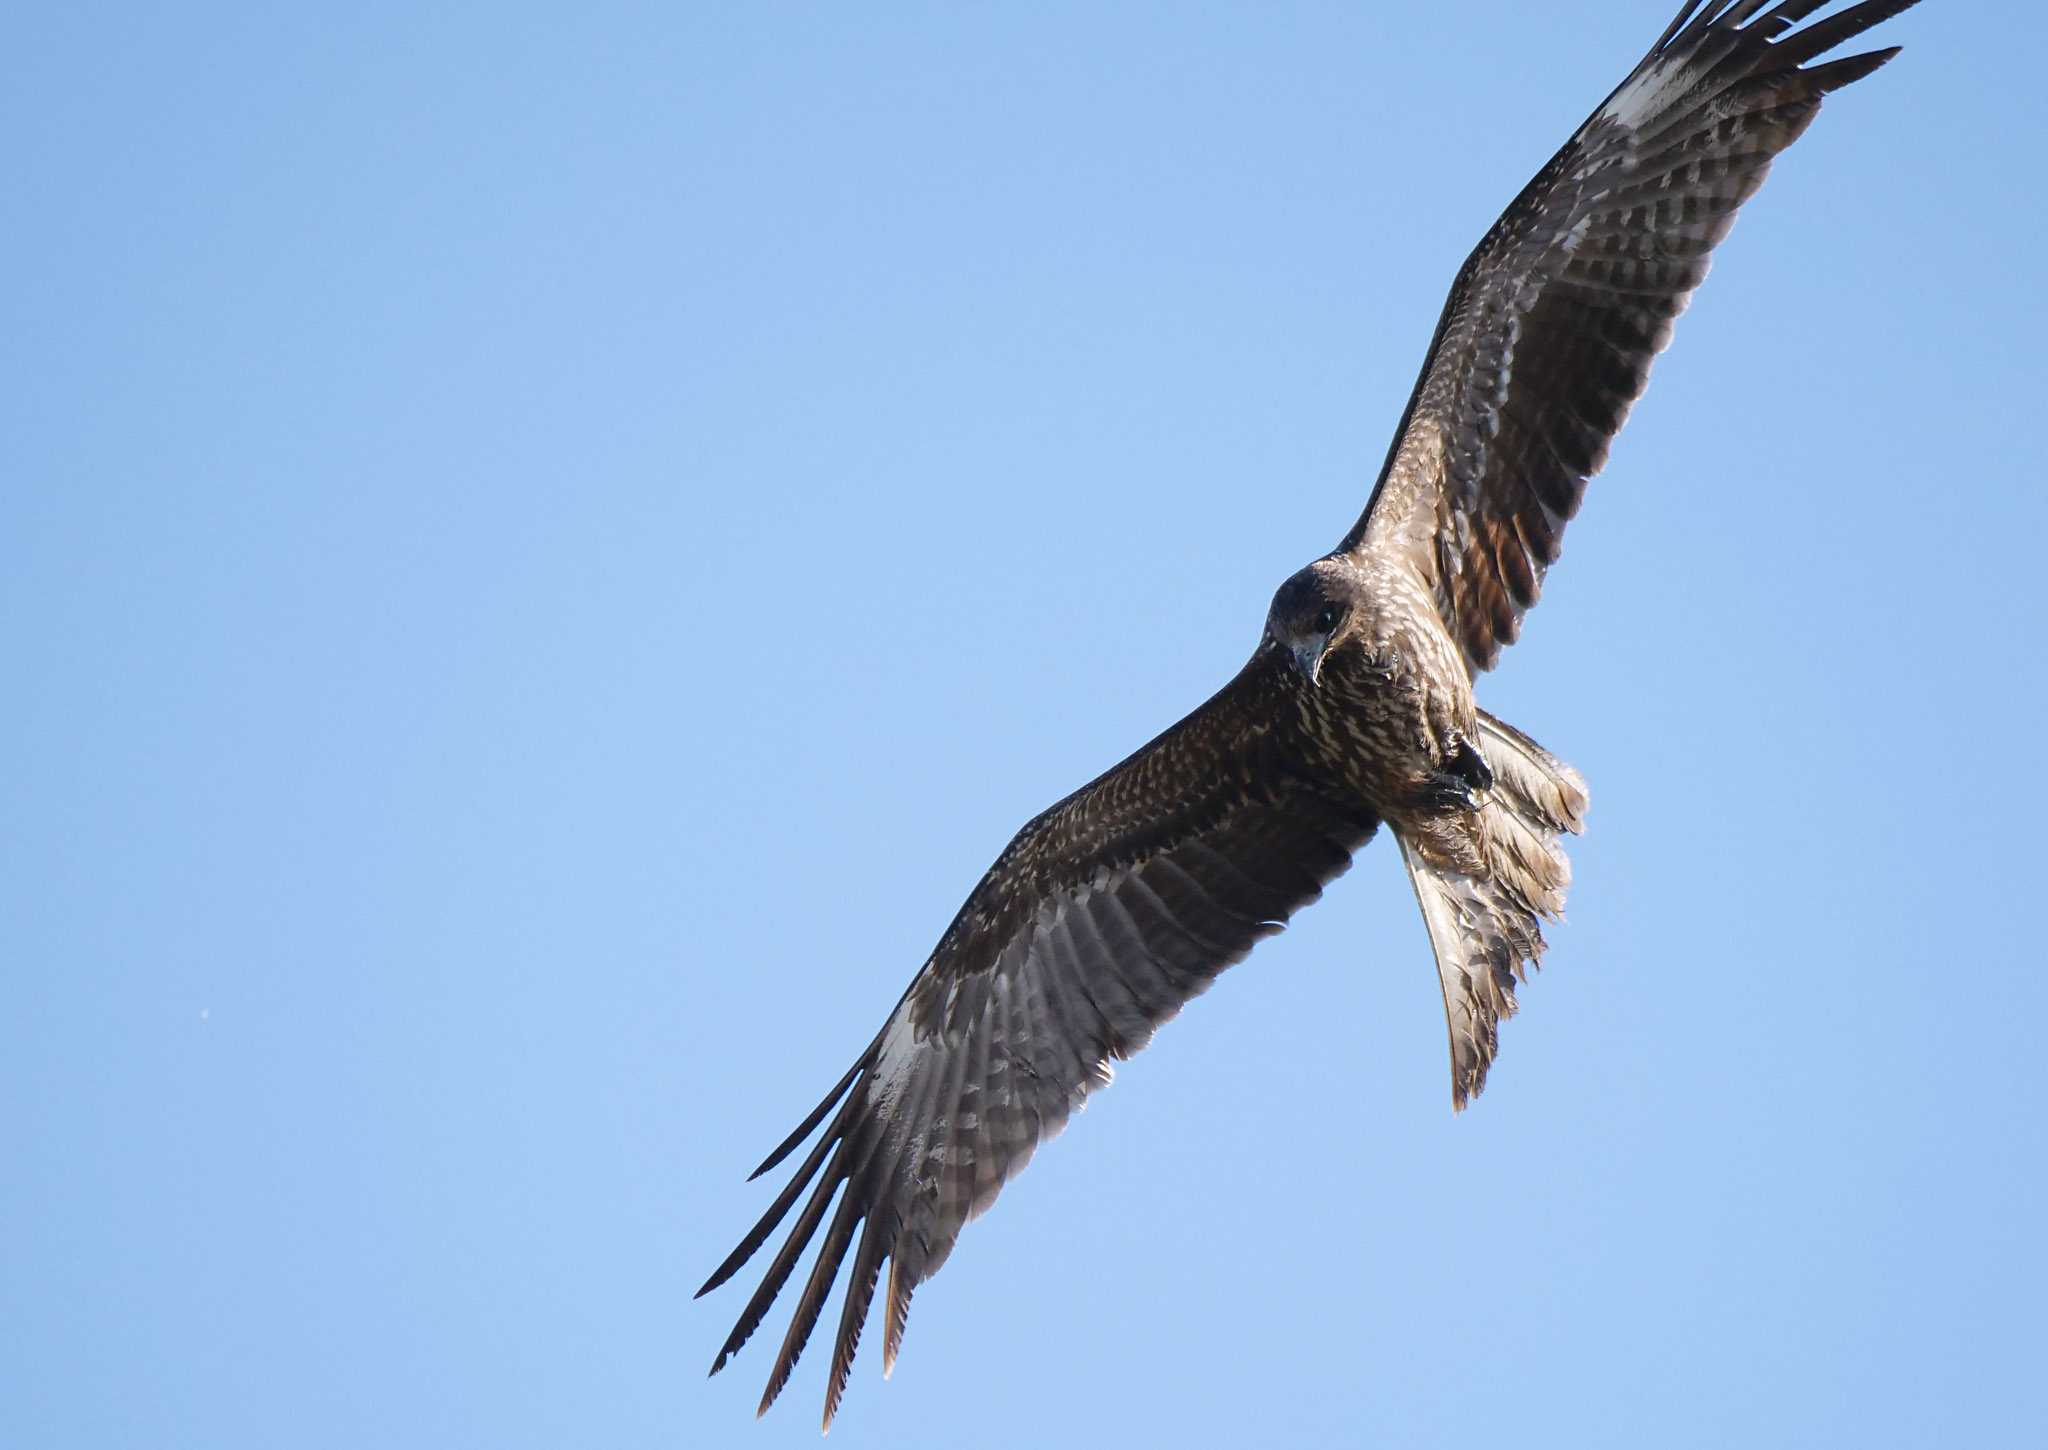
(1552, 324)
(1100, 920)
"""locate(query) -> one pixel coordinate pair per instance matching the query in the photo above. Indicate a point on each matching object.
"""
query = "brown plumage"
(1112, 909)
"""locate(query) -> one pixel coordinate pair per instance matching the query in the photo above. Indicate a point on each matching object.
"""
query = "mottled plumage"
(1112, 909)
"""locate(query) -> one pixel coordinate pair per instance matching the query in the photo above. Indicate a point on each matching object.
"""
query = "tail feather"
(1533, 781)
(1484, 904)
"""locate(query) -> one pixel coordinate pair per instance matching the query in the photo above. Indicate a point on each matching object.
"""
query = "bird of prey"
(1117, 905)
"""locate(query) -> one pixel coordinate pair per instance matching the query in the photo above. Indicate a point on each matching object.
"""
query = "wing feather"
(1548, 335)
(1105, 916)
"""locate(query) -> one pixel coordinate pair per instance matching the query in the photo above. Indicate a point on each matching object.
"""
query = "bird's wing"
(1553, 321)
(1103, 916)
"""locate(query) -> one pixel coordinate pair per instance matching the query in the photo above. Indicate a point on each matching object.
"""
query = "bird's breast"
(1394, 697)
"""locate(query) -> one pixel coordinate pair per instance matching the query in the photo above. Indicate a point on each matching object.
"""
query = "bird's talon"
(1446, 792)
(1457, 785)
(1470, 765)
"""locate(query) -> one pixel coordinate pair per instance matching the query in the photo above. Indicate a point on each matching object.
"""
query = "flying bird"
(1114, 907)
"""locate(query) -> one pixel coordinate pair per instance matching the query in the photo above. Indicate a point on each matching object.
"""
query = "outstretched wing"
(1553, 321)
(1104, 915)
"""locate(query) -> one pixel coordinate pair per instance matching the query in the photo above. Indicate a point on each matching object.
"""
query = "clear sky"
(541, 555)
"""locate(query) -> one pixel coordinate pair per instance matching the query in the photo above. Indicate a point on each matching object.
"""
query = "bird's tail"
(1485, 892)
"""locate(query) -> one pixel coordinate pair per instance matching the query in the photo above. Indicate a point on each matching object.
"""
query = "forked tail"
(1484, 903)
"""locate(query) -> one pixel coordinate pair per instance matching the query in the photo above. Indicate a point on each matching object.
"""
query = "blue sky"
(541, 556)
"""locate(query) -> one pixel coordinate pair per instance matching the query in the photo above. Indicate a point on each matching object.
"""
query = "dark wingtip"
(758, 1235)
(1848, 70)
(1823, 36)
(1677, 24)
(813, 1118)
(732, 1264)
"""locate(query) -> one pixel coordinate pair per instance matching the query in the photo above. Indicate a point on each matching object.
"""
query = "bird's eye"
(1327, 619)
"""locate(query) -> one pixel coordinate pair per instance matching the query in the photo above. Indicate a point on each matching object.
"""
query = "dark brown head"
(1315, 609)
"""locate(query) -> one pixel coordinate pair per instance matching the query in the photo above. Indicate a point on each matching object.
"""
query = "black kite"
(1112, 909)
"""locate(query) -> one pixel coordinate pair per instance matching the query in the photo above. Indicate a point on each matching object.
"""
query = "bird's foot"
(1456, 785)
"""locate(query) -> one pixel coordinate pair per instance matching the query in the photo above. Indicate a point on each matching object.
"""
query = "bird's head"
(1313, 610)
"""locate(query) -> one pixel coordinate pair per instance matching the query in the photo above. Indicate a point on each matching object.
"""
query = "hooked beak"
(1308, 658)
